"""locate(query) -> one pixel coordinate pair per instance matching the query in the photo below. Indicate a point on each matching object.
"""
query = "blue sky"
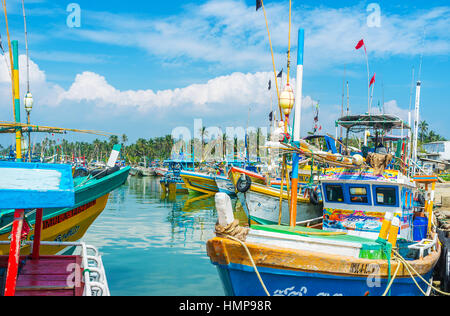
(145, 67)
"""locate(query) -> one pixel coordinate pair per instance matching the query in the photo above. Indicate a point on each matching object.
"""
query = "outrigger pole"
(14, 60)
(298, 109)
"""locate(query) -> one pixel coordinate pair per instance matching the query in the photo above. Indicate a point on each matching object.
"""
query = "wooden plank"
(46, 293)
(49, 266)
(42, 277)
(25, 283)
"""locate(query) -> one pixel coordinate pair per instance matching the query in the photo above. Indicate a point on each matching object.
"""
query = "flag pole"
(297, 118)
(368, 79)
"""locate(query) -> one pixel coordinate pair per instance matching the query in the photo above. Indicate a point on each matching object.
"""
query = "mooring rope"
(409, 266)
(239, 234)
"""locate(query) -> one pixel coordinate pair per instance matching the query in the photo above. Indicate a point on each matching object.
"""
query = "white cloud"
(230, 34)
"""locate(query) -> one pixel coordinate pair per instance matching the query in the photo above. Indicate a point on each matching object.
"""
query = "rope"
(273, 59)
(26, 44)
(237, 233)
(233, 230)
(253, 263)
(409, 266)
(388, 288)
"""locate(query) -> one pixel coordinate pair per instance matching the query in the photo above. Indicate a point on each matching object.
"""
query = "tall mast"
(417, 121)
(298, 104)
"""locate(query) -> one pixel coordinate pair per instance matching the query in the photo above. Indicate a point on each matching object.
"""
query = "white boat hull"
(264, 209)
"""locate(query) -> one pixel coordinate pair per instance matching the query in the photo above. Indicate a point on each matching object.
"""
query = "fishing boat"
(161, 171)
(374, 240)
(225, 185)
(280, 260)
(200, 182)
(135, 172)
(172, 181)
(34, 186)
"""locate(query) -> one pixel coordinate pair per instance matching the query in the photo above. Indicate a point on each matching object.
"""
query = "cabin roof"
(374, 121)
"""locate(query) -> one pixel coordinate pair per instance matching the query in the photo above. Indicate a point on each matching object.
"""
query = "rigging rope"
(26, 46)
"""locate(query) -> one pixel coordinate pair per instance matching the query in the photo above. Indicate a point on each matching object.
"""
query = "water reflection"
(156, 245)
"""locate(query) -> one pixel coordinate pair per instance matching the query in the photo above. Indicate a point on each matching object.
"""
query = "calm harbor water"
(152, 245)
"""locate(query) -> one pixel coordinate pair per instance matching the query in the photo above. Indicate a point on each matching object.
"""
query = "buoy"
(287, 100)
(28, 101)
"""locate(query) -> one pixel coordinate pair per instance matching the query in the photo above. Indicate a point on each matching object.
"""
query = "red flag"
(372, 81)
(361, 44)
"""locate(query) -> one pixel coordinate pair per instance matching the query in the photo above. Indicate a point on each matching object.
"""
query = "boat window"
(386, 196)
(359, 195)
(335, 193)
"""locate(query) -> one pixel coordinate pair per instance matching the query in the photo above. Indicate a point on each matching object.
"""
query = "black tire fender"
(244, 183)
(313, 197)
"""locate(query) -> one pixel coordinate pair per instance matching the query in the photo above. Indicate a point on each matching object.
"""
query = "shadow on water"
(156, 245)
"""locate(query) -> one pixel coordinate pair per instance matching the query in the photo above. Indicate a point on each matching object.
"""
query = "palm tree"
(423, 129)
(203, 134)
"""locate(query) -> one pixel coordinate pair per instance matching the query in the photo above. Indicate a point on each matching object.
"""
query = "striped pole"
(297, 117)
(15, 48)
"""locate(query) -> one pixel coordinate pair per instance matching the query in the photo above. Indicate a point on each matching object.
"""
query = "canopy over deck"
(358, 123)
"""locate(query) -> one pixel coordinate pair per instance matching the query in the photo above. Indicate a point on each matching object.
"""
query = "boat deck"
(48, 276)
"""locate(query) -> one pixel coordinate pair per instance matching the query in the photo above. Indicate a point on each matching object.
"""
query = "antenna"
(343, 96)
(348, 100)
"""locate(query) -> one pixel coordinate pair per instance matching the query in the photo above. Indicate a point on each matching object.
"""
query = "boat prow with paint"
(299, 261)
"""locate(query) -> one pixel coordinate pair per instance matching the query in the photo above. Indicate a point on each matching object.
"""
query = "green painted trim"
(15, 49)
(370, 249)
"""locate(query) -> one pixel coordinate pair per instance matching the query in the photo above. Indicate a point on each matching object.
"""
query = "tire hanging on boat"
(244, 183)
(313, 197)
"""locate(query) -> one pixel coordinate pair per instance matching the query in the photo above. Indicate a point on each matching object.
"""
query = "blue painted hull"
(241, 280)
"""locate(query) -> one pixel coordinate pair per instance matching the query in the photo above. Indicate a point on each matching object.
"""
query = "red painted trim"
(249, 173)
(14, 253)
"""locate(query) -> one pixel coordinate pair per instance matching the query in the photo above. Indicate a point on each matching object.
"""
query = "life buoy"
(313, 197)
(244, 183)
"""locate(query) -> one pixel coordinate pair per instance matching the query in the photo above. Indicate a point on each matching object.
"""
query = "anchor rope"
(409, 266)
(252, 261)
(238, 234)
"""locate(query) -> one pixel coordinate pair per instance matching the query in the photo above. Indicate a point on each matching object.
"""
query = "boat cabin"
(357, 200)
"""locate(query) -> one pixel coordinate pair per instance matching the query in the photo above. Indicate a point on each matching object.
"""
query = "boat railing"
(94, 275)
